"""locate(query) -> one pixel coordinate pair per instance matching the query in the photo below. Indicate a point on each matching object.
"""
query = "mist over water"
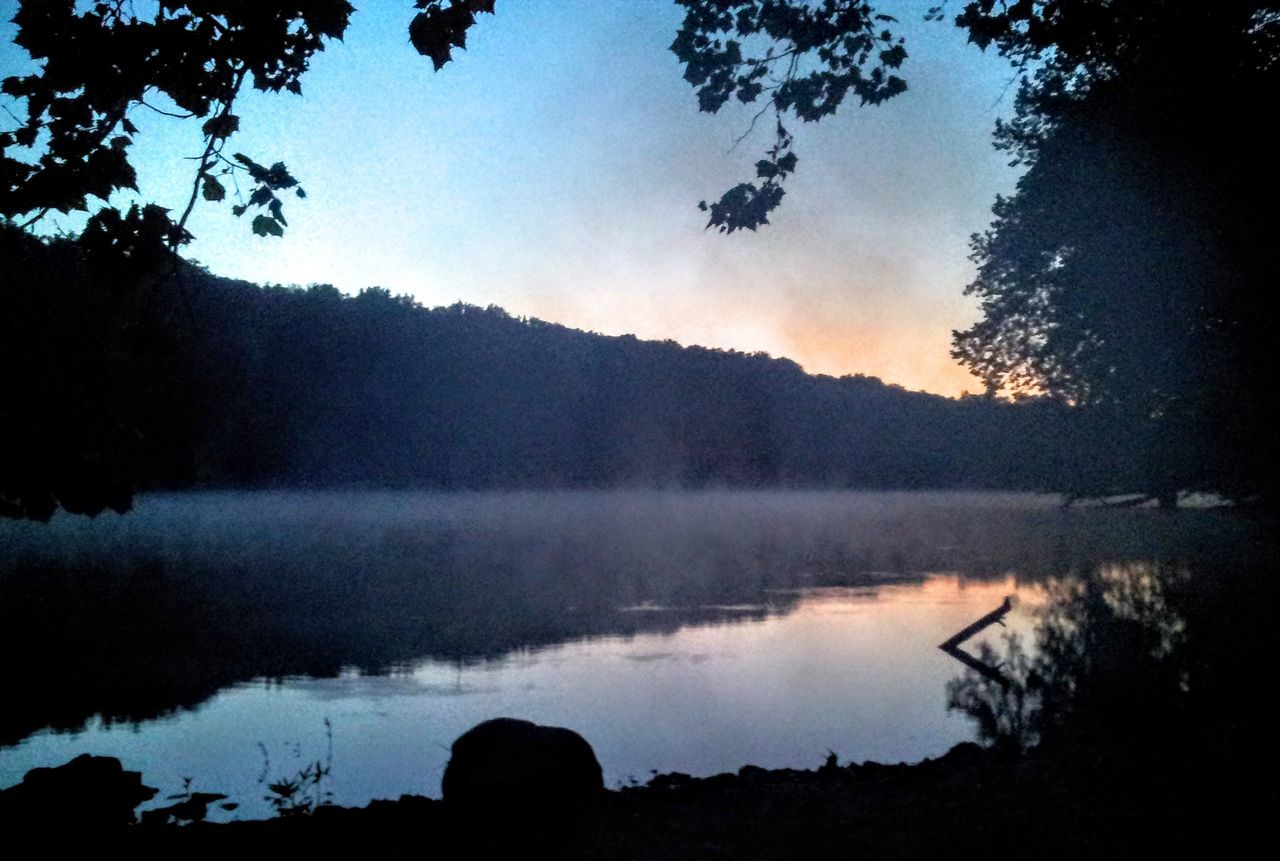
(211, 635)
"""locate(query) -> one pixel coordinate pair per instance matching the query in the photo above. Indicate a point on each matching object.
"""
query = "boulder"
(505, 759)
(89, 793)
(512, 783)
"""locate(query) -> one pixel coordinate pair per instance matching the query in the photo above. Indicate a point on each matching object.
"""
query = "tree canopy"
(1129, 272)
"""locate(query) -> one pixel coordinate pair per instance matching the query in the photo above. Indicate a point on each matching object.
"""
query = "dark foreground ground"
(970, 803)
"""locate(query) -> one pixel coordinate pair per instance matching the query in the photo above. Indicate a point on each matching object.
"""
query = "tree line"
(230, 384)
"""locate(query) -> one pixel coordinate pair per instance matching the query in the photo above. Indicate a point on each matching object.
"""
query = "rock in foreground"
(515, 783)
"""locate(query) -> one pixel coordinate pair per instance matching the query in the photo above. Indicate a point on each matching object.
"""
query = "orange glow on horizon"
(917, 359)
(921, 369)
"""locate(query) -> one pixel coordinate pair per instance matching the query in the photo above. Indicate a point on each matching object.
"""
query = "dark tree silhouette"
(62, 349)
(1128, 273)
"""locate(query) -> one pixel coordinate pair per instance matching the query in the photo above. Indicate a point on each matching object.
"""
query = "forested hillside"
(204, 381)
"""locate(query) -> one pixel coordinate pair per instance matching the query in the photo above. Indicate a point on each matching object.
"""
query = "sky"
(555, 166)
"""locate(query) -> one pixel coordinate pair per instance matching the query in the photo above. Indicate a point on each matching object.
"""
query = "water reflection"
(133, 617)
(850, 670)
(368, 598)
(1110, 662)
(134, 644)
(1142, 679)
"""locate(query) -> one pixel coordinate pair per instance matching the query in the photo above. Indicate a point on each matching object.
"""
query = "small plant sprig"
(304, 792)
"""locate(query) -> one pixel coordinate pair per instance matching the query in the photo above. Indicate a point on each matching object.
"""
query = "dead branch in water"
(952, 645)
(995, 617)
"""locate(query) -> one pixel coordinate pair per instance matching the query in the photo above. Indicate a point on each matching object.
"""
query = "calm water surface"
(232, 638)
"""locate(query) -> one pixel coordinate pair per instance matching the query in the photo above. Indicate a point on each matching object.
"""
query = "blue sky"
(555, 166)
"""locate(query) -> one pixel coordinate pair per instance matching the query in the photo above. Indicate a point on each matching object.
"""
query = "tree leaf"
(265, 225)
(211, 189)
(220, 127)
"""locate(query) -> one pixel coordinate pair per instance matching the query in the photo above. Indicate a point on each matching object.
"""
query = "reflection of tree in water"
(1141, 684)
(1108, 664)
(999, 710)
(132, 639)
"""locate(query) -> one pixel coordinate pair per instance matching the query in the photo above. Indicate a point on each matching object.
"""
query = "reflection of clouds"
(677, 657)
(650, 657)
(523, 659)
(384, 687)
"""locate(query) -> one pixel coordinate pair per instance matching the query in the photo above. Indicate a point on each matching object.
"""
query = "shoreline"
(970, 801)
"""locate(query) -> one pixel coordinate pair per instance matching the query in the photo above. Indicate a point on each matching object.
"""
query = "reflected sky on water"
(853, 670)
(689, 631)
